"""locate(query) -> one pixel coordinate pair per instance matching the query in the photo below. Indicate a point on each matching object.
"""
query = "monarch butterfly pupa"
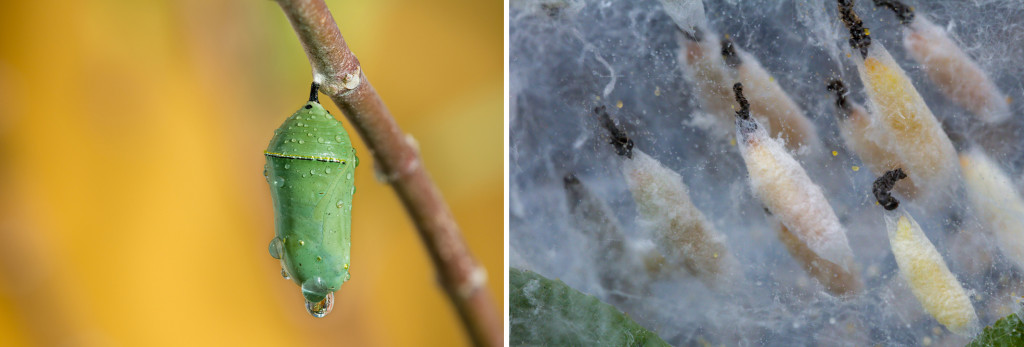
(913, 132)
(663, 203)
(310, 167)
(957, 75)
(921, 265)
(784, 188)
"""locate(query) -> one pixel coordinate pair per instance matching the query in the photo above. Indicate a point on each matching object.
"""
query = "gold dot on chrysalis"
(855, 168)
(618, 104)
(657, 92)
(834, 153)
(302, 243)
(771, 78)
(345, 266)
(732, 141)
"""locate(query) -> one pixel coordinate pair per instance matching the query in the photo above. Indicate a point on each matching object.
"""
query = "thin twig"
(397, 158)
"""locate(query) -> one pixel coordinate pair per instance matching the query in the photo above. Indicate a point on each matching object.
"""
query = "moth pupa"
(310, 167)
(921, 265)
(996, 200)
(769, 102)
(663, 203)
(957, 75)
(784, 188)
(617, 261)
(865, 139)
(712, 66)
(912, 131)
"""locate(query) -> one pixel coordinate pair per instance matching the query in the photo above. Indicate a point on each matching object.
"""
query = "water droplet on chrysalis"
(322, 308)
(320, 140)
(275, 248)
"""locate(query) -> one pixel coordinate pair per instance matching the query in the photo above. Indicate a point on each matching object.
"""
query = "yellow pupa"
(912, 131)
(906, 125)
(994, 197)
(866, 140)
(921, 265)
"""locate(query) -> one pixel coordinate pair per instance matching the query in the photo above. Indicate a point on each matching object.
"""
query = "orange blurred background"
(133, 209)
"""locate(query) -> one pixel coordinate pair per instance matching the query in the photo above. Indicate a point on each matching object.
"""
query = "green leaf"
(1008, 331)
(546, 312)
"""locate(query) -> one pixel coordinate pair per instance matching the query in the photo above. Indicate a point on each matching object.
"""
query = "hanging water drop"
(321, 308)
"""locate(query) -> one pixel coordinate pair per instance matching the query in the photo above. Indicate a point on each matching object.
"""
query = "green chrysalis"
(310, 168)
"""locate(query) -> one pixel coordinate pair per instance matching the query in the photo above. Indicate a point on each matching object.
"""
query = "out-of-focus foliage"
(1008, 332)
(548, 312)
(133, 210)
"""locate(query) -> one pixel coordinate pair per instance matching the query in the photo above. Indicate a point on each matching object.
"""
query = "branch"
(397, 157)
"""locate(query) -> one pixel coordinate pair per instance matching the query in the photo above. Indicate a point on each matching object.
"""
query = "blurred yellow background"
(133, 209)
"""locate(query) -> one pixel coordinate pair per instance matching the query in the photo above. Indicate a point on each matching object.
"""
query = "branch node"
(477, 279)
(351, 81)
